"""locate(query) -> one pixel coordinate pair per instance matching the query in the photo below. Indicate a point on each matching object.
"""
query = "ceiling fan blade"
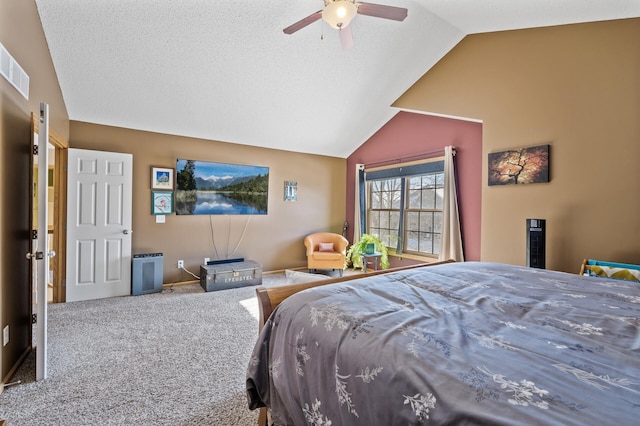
(346, 38)
(303, 23)
(381, 11)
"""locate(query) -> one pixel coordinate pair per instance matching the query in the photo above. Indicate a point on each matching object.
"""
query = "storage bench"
(222, 276)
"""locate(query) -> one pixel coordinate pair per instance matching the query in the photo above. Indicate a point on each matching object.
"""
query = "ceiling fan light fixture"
(339, 13)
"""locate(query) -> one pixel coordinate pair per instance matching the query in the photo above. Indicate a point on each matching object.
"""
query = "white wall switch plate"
(160, 218)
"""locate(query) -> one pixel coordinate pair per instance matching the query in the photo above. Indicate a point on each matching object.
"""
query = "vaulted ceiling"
(224, 70)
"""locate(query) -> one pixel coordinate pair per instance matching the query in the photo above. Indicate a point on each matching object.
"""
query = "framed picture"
(212, 188)
(290, 190)
(519, 166)
(161, 178)
(161, 202)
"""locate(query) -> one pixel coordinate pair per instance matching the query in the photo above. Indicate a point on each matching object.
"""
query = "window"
(408, 204)
(384, 214)
(423, 223)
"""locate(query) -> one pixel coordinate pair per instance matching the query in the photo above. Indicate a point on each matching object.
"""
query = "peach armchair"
(326, 250)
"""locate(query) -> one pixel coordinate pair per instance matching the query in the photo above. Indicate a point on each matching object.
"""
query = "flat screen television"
(204, 187)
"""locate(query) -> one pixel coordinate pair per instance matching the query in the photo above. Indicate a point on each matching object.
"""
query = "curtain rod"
(421, 156)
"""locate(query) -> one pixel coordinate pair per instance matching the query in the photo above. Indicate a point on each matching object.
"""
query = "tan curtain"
(357, 213)
(451, 238)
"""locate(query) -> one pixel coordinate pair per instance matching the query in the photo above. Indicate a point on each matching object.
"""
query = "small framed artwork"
(161, 178)
(290, 190)
(161, 202)
(519, 166)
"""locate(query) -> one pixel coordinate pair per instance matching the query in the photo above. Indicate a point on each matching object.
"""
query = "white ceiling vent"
(13, 72)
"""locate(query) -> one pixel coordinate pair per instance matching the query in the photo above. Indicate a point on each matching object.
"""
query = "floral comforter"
(462, 344)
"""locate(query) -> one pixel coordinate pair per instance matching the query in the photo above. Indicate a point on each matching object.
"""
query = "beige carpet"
(173, 358)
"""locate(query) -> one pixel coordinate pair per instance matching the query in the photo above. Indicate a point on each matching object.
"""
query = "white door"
(40, 246)
(98, 224)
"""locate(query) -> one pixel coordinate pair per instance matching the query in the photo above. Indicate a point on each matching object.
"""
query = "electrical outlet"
(180, 264)
(206, 260)
(5, 335)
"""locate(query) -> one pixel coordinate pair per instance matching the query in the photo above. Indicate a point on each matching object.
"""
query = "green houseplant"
(355, 252)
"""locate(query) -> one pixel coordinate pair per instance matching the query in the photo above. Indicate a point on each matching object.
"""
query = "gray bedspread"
(459, 344)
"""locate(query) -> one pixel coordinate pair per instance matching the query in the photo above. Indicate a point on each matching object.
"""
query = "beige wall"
(274, 240)
(576, 88)
(22, 35)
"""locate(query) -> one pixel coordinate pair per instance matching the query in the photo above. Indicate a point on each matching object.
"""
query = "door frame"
(58, 263)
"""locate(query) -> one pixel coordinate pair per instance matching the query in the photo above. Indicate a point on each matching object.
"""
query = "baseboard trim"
(281, 271)
(181, 283)
(275, 271)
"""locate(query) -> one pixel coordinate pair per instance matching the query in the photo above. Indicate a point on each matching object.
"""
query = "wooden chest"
(230, 275)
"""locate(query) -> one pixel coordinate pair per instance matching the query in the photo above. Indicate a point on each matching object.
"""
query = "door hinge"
(34, 318)
(35, 149)
(34, 234)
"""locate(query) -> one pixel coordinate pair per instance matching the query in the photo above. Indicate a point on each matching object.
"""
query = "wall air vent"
(13, 72)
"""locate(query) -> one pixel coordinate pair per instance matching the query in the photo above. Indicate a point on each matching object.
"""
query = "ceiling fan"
(340, 13)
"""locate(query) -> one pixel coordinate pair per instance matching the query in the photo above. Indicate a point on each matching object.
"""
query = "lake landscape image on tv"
(204, 187)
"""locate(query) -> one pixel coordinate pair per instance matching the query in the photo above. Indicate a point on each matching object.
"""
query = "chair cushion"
(325, 246)
(326, 255)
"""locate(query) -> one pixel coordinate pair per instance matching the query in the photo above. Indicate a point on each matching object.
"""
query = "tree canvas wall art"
(210, 188)
(519, 166)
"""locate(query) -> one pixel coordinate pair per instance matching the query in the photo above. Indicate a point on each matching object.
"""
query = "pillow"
(619, 273)
(325, 246)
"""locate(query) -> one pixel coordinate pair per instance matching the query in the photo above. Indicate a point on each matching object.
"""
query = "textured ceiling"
(224, 70)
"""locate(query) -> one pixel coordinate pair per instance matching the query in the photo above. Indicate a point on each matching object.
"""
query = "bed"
(468, 343)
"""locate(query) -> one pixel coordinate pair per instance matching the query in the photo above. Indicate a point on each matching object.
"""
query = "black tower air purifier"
(536, 230)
